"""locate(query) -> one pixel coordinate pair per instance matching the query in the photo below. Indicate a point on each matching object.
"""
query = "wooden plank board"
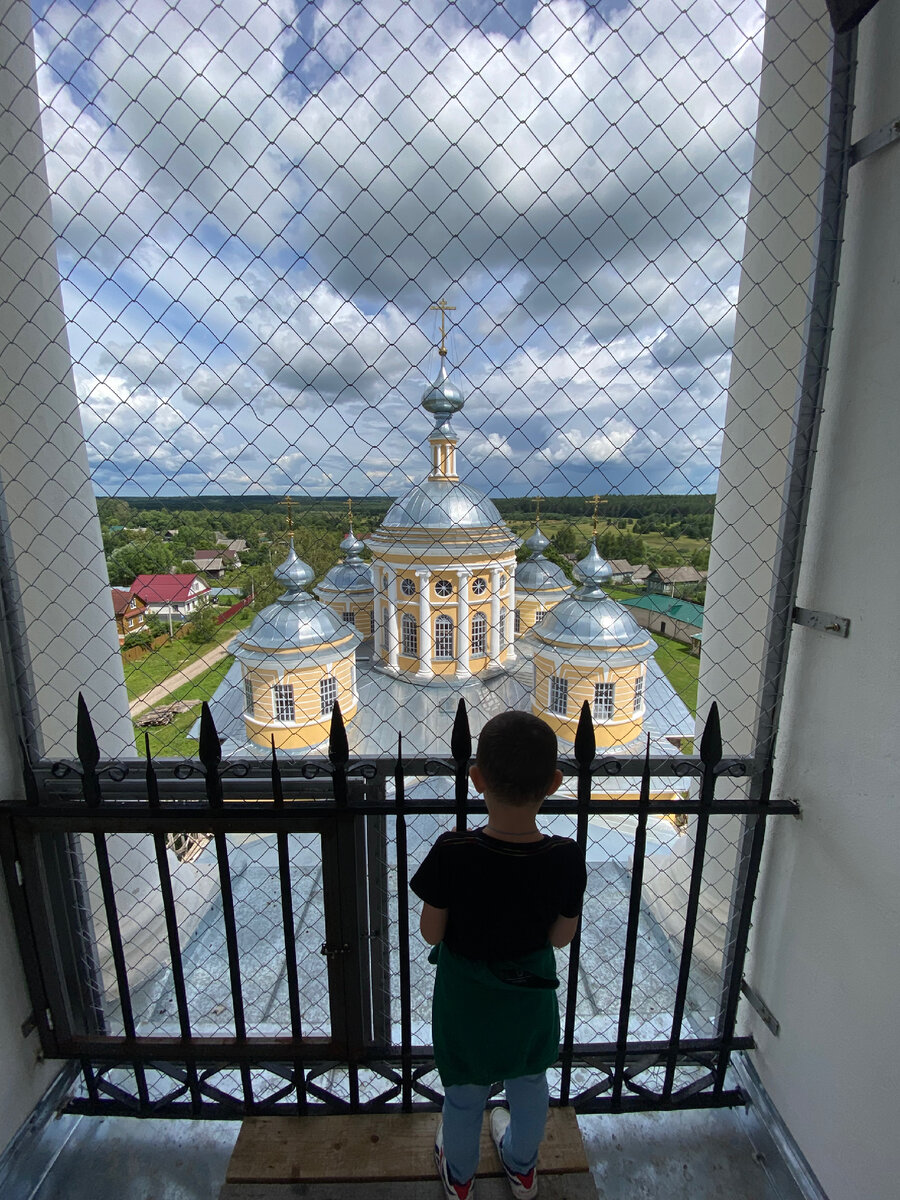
(551, 1187)
(388, 1146)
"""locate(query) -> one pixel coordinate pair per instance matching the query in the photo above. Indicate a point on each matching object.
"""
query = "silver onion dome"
(442, 398)
(351, 575)
(537, 573)
(590, 620)
(296, 619)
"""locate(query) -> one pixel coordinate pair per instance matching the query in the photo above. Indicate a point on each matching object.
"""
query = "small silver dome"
(595, 622)
(352, 575)
(296, 619)
(442, 398)
(442, 504)
(538, 574)
(593, 570)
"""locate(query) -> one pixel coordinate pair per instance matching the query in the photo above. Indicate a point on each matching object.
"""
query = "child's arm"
(562, 931)
(433, 924)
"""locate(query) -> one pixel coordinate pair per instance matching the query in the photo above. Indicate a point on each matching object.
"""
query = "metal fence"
(298, 984)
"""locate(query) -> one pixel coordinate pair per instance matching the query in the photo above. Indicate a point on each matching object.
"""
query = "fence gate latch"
(333, 951)
(826, 622)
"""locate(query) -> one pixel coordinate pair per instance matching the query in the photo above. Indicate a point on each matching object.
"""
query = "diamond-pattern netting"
(227, 229)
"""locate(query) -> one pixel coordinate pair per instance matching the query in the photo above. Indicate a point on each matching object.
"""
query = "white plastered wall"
(824, 949)
(57, 581)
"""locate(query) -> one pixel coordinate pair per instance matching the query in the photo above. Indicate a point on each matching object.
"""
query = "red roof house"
(178, 595)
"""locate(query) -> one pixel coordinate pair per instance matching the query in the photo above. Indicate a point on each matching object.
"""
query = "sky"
(259, 204)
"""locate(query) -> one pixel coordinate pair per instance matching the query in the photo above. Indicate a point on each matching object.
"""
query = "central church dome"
(442, 504)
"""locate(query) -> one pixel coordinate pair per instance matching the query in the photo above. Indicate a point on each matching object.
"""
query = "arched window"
(443, 637)
(248, 696)
(638, 693)
(479, 635)
(410, 636)
(327, 694)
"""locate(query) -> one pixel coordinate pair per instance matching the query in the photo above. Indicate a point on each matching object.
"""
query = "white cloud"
(256, 208)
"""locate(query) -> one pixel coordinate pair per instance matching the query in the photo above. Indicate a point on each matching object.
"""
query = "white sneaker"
(453, 1191)
(524, 1187)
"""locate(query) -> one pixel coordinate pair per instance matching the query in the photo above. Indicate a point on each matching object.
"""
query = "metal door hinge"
(826, 622)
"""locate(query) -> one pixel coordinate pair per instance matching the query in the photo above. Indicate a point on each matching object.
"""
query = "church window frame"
(539, 616)
(479, 635)
(479, 586)
(349, 617)
(249, 704)
(328, 694)
(639, 701)
(443, 638)
(517, 621)
(284, 707)
(558, 695)
(408, 586)
(385, 636)
(409, 632)
(604, 707)
(443, 588)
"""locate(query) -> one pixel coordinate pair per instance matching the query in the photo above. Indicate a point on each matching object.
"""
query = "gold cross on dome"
(290, 520)
(596, 501)
(443, 307)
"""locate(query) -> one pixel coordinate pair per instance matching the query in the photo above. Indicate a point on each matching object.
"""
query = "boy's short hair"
(517, 757)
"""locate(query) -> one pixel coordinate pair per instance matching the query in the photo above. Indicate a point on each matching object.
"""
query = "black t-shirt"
(502, 898)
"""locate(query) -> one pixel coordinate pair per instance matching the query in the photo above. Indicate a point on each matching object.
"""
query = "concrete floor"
(695, 1155)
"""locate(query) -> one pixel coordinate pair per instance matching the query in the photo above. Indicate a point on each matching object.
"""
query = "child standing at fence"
(496, 902)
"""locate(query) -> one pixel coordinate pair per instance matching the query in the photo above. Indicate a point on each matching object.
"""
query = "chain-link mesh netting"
(267, 220)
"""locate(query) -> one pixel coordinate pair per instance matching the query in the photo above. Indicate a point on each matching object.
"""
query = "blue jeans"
(529, 1098)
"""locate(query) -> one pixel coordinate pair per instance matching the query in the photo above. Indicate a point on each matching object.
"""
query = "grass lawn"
(680, 667)
(145, 673)
(171, 741)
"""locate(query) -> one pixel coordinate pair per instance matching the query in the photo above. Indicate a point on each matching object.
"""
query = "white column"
(497, 615)
(392, 632)
(425, 670)
(463, 637)
(510, 616)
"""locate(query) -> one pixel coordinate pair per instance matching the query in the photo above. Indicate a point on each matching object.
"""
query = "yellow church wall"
(529, 608)
(362, 613)
(625, 726)
(310, 726)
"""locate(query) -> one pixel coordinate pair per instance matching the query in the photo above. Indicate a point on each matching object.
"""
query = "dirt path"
(140, 703)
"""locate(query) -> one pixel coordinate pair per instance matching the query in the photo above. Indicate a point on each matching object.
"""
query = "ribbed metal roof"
(442, 504)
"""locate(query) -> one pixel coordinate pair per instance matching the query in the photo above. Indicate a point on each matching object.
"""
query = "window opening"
(604, 701)
(443, 637)
(479, 635)
(444, 588)
(283, 696)
(639, 693)
(410, 636)
(408, 587)
(328, 691)
(248, 696)
(558, 702)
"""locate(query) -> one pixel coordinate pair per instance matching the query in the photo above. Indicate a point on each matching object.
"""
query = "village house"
(679, 619)
(666, 579)
(621, 570)
(216, 562)
(129, 611)
(176, 596)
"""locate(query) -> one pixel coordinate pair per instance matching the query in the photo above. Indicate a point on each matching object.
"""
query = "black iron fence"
(283, 975)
